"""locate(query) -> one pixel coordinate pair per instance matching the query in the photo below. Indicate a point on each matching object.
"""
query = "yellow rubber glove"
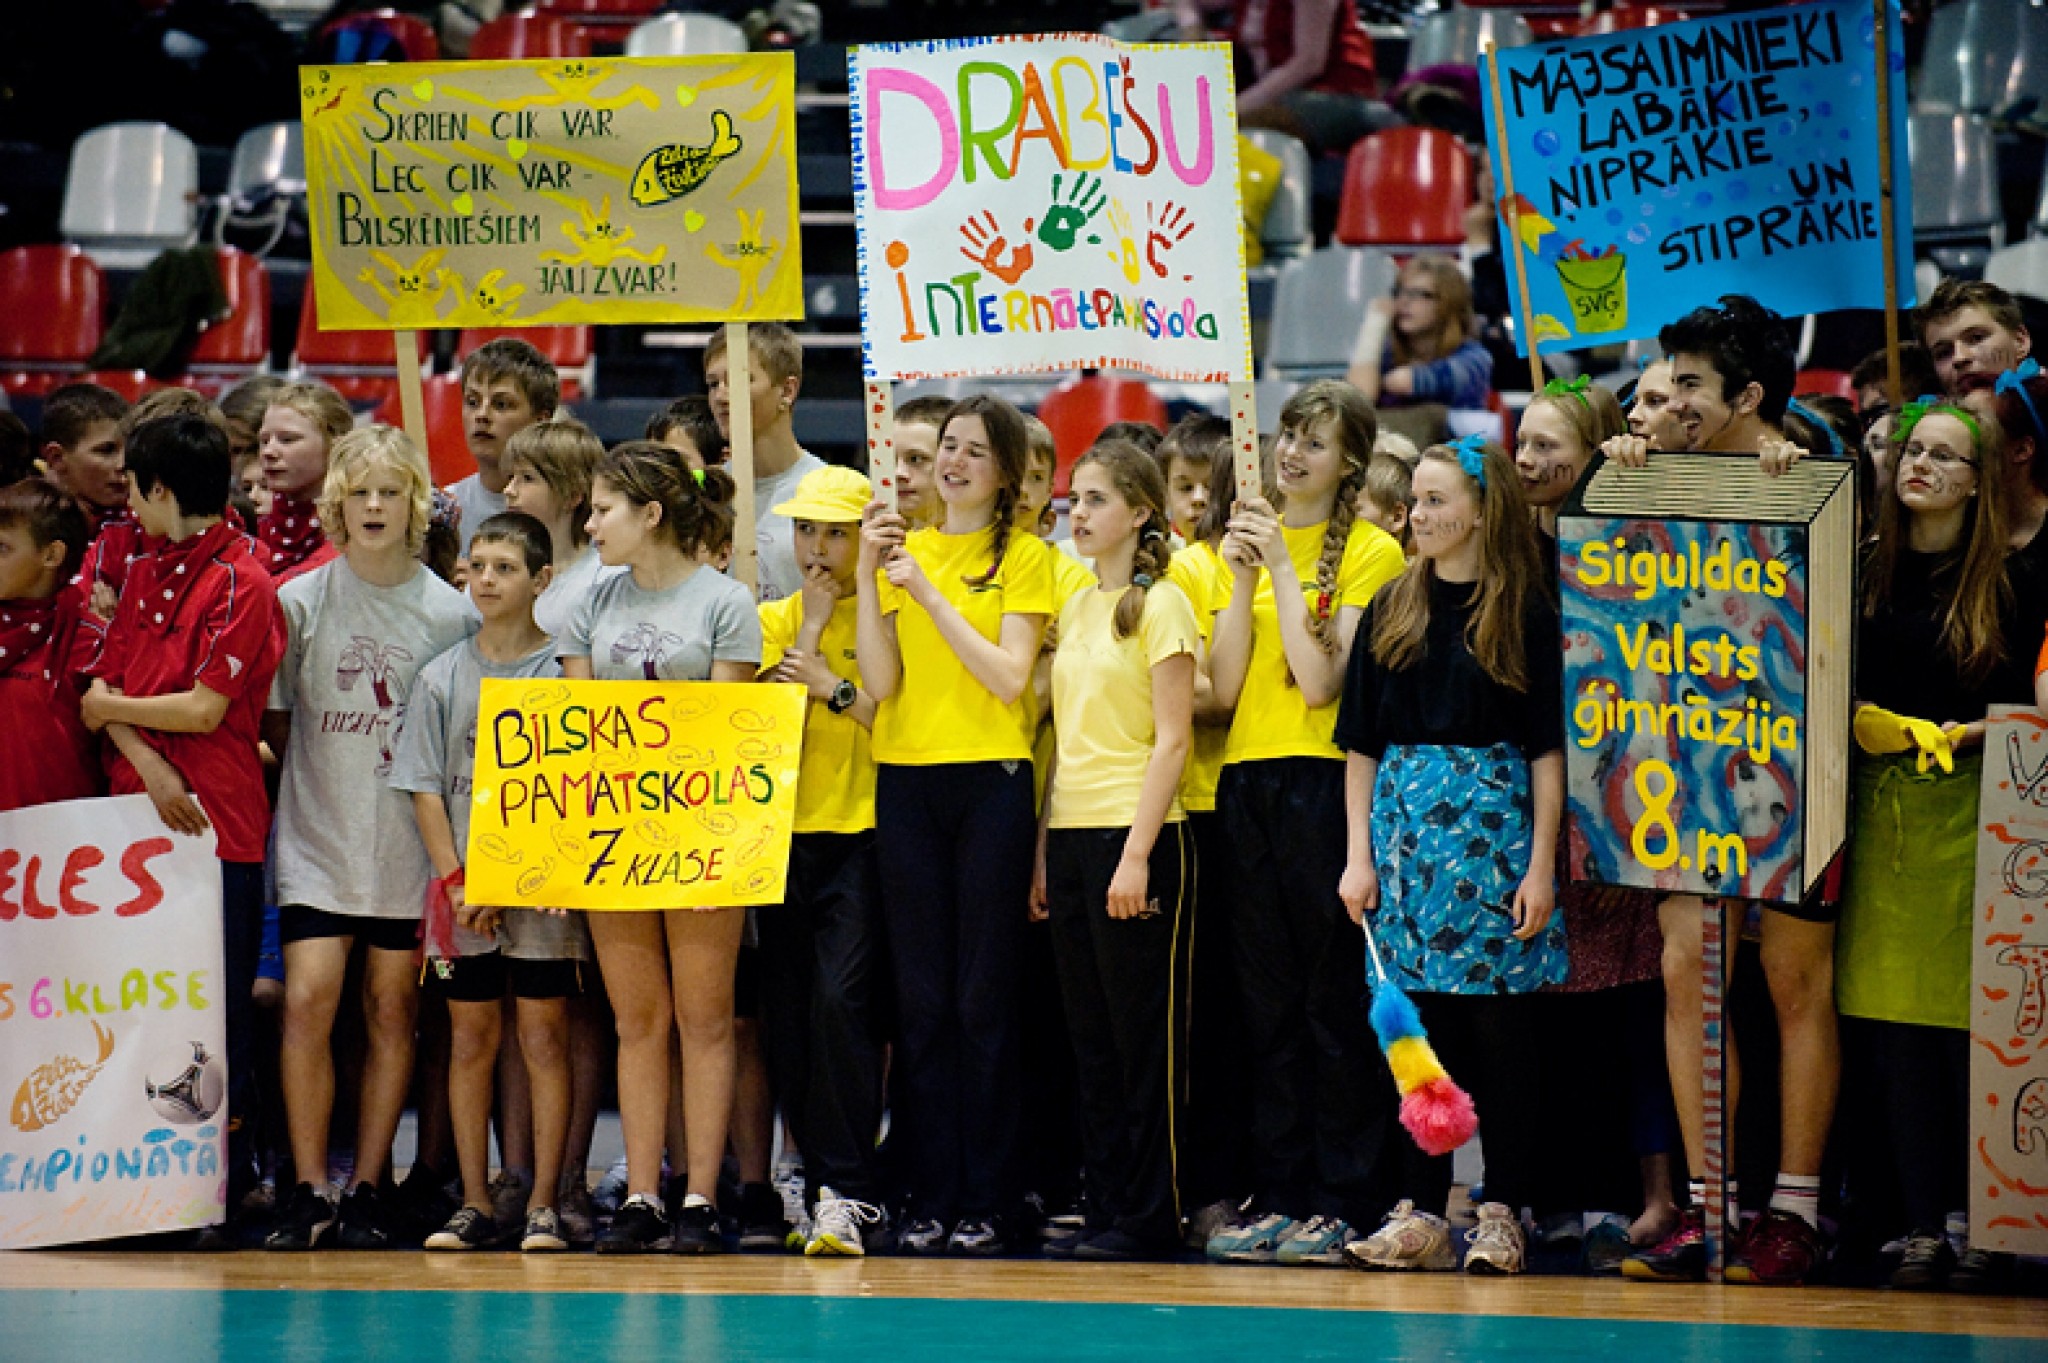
(1879, 731)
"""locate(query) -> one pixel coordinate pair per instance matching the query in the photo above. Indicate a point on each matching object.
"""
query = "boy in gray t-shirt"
(481, 951)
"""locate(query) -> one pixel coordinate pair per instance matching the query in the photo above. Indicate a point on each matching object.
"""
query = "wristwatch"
(842, 698)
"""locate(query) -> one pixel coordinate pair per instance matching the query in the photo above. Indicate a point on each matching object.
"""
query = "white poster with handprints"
(2009, 990)
(1032, 204)
(113, 1039)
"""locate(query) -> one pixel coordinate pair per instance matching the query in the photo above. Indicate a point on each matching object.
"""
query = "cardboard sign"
(633, 795)
(2009, 990)
(1661, 167)
(1706, 617)
(1037, 204)
(113, 1042)
(551, 193)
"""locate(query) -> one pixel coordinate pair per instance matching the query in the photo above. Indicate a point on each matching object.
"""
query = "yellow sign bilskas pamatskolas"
(633, 795)
(552, 193)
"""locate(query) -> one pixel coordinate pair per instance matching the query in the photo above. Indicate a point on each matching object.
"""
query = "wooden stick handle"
(879, 405)
(1507, 186)
(1244, 441)
(1887, 206)
(739, 382)
(412, 402)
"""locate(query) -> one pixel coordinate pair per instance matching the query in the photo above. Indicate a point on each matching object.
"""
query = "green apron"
(1902, 952)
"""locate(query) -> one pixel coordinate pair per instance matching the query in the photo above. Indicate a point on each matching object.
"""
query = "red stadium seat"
(131, 384)
(572, 349)
(1082, 408)
(54, 301)
(1827, 382)
(528, 34)
(447, 439)
(241, 340)
(1626, 17)
(603, 9)
(379, 35)
(361, 365)
(1405, 187)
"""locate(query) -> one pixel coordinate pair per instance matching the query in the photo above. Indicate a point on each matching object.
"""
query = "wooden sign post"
(412, 403)
(878, 404)
(739, 385)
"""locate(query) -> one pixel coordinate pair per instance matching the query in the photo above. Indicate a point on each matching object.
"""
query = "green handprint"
(1063, 220)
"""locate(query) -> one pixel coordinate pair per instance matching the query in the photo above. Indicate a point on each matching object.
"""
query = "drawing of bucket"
(1597, 289)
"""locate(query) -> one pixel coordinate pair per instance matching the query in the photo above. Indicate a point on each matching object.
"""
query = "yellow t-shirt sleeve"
(1168, 626)
(1372, 559)
(779, 625)
(1027, 576)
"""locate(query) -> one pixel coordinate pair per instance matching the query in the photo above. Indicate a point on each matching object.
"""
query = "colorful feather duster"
(1437, 1113)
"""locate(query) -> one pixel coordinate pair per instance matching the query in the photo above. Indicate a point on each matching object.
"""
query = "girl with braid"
(1116, 870)
(949, 626)
(1299, 579)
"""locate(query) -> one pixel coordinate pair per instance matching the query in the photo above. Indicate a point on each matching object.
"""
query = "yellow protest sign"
(552, 193)
(633, 795)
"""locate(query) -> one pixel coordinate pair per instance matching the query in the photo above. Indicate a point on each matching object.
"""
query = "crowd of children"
(1179, 791)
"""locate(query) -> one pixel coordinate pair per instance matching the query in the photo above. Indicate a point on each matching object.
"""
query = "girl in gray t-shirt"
(667, 618)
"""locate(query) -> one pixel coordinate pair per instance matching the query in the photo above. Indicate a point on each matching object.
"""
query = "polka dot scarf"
(289, 534)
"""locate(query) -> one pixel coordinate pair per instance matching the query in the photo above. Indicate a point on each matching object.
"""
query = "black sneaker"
(1117, 1247)
(1926, 1263)
(922, 1237)
(763, 1227)
(641, 1227)
(303, 1220)
(976, 1240)
(366, 1223)
(422, 1205)
(698, 1230)
(1982, 1271)
(469, 1228)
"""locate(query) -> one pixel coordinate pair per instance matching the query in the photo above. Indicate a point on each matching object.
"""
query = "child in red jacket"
(48, 641)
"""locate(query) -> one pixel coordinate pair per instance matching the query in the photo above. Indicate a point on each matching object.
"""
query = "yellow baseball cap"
(832, 494)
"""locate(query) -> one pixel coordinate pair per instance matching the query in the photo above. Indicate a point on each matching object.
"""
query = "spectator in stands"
(1420, 344)
(688, 427)
(1973, 332)
(1871, 374)
(507, 385)
(1312, 64)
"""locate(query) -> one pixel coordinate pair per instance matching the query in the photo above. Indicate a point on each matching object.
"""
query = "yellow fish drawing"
(54, 1089)
(671, 172)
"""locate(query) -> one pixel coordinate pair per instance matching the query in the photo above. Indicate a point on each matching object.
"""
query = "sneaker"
(543, 1232)
(1250, 1241)
(610, 1193)
(1781, 1250)
(698, 1230)
(469, 1228)
(577, 1214)
(1925, 1262)
(922, 1236)
(641, 1227)
(510, 1192)
(1320, 1240)
(1070, 1220)
(1680, 1257)
(836, 1227)
(365, 1222)
(422, 1204)
(306, 1217)
(789, 1186)
(1206, 1221)
(1408, 1240)
(1606, 1245)
(977, 1239)
(1498, 1247)
(1118, 1247)
(1069, 1246)
(1982, 1271)
(763, 1226)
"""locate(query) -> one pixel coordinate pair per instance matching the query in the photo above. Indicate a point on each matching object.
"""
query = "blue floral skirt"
(1451, 841)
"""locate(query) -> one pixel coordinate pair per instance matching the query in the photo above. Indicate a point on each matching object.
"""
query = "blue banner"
(1657, 169)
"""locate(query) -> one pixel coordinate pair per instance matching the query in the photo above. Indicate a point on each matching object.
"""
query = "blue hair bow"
(2014, 381)
(1471, 452)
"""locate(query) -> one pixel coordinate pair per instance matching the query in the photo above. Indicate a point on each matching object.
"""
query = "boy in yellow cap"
(821, 954)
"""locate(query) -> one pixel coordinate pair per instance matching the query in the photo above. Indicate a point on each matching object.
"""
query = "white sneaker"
(1408, 1240)
(836, 1226)
(1498, 1246)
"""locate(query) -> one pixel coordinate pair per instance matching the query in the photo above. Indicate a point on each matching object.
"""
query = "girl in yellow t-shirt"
(1115, 863)
(949, 625)
(1299, 580)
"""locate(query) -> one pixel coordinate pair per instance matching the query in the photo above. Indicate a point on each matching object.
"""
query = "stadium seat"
(1454, 36)
(378, 35)
(54, 300)
(527, 34)
(447, 439)
(602, 9)
(131, 384)
(1405, 187)
(1987, 57)
(1146, 26)
(1957, 217)
(1081, 408)
(360, 365)
(1319, 304)
(685, 35)
(1623, 18)
(2022, 268)
(572, 349)
(130, 193)
(237, 345)
(1289, 229)
(2039, 226)
(1828, 382)
(266, 177)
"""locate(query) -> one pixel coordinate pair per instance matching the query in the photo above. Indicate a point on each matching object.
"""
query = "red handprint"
(1165, 228)
(986, 244)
